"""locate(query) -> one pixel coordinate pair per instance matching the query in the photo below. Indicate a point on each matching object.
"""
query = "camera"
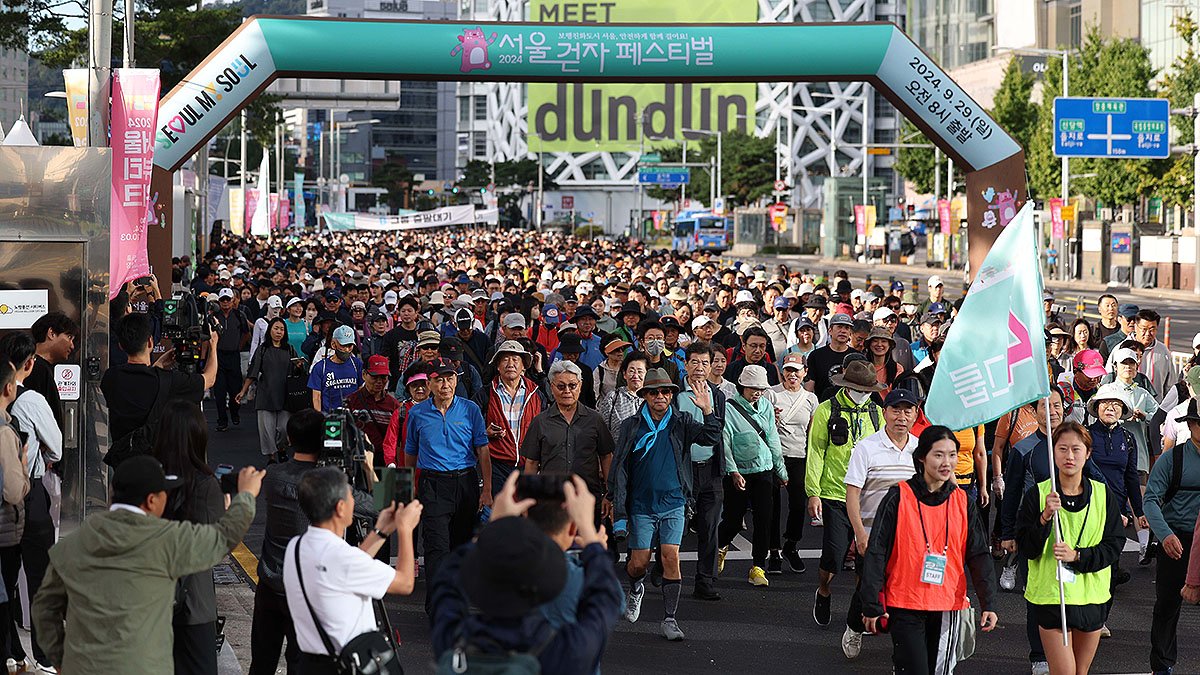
(188, 329)
(344, 445)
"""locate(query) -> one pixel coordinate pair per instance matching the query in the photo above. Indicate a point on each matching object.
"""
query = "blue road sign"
(673, 176)
(1127, 128)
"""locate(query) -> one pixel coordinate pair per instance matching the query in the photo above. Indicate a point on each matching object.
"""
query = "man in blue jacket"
(508, 573)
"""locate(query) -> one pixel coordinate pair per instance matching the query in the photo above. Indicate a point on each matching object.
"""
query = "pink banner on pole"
(1057, 230)
(273, 211)
(943, 211)
(251, 203)
(860, 219)
(134, 119)
(285, 214)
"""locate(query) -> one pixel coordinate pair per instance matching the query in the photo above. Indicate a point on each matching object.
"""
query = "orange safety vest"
(904, 587)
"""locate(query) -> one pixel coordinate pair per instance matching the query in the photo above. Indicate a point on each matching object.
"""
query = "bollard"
(868, 284)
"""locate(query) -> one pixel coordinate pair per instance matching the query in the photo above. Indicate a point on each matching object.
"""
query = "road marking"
(246, 560)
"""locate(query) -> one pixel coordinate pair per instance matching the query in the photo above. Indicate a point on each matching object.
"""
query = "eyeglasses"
(660, 392)
(891, 319)
(567, 386)
(428, 348)
(1109, 404)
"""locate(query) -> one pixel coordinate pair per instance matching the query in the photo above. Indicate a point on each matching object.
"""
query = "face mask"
(655, 347)
(859, 397)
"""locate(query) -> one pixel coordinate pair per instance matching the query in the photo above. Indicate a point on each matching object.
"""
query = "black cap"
(325, 315)
(670, 322)
(451, 348)
(585, 312)
(442, 367)
(901, 396)
(570, 343)
(138, 477)
(816, 302)
(513, 569)
(332, 295)
(631, 307)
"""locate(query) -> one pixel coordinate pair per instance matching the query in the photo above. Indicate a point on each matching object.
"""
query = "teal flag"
(298, 205)
(994, 359)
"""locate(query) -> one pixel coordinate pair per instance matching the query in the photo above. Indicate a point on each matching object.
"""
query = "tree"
(1042, 166)
(1012, 108)
(917, 165)
(747, 165)
(1172, 179)
(394, 176)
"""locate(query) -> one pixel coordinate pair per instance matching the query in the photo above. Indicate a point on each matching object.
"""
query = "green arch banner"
(264, 48)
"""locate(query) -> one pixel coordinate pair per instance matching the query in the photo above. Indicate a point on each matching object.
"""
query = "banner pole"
(1062, 598)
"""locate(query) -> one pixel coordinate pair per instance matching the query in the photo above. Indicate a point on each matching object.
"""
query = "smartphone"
(228, 478)
(143, 281)
(542, 486)
(395, 486)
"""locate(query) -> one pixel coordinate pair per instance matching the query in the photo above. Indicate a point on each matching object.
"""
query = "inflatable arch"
(264, 48)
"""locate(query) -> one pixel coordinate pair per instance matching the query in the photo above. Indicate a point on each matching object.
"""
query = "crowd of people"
(659, 393)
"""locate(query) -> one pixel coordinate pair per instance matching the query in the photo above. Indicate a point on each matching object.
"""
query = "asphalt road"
(1182, 307)
(770, 630)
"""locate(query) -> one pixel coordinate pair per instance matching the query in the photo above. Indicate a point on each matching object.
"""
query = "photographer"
(330, 583)
(508, 573)
(131, 389)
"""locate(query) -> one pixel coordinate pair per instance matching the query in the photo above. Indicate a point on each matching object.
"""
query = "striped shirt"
(877, 464)
(513, 407)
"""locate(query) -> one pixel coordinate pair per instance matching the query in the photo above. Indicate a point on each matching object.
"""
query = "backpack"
(838, 427)
(140, 441)
(469, 658)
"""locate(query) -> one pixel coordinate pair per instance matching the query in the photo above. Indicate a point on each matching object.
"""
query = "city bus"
(700, 231)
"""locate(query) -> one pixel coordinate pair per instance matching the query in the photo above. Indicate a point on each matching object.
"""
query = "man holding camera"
(130, 389)
(447, 435)
(330, 584)
(651, 486)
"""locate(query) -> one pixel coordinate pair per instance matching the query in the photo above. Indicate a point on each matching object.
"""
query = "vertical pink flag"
(273, 211)
(943, 209)
(285, 214)
(1057, 230)
(251, 203)
(134, 117)
(860, 219)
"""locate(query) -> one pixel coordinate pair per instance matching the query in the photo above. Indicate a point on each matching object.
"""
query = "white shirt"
(877, 464)
(1176, 430)
(341, 581)
(34, 416)
(796, 409)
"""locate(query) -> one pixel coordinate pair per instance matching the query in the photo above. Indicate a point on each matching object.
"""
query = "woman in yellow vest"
(927, 535)
(1090, 540)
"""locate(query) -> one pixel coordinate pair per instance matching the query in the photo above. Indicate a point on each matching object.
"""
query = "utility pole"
(99, 71)
(130, 17)
(1066, 175)
(1195, 193)
(242, 169)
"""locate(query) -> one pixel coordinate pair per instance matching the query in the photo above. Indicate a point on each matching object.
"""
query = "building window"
(1075, 19)
(479, 144)
(464, 109)
(481, 108)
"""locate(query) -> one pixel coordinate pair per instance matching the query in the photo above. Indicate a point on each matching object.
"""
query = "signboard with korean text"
(19, 309)
(134, 110)
(666, 176)
(447, 215)
(1112, 127)
(67, 379)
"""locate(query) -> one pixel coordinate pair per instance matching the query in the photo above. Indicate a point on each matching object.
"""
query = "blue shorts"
(668, 526)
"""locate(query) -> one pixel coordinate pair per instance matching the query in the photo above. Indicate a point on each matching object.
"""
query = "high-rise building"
(14, 85)
(819, 126)
(954, 32)
(1158, 29)
(420, 132)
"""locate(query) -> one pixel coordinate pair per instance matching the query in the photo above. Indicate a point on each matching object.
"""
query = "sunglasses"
(567, 386)
(660, 392)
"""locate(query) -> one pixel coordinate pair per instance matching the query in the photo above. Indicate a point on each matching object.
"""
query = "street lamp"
(714, 186)
(338, 126)
(1066, 79)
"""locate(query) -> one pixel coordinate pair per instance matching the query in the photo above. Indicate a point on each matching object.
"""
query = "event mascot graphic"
(474, 47)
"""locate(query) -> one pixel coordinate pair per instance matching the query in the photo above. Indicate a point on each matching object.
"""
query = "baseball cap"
(897, 286)
(390, 298)
(275, 301)
(701, 321)
(551, 315)
(332, 295)
(428, 338)
(1192, 377)
(513, 320)
(743, 297)
(463, 317)
(585, 312)
(882, 313)
(841, 320)
(378, 365)
(138, 477)
(937, 308)
(794, 360)
(1196, 340)
(1123, 355)
(900, 396)
(1090, 362)
(856, 293)
(1128, 310)
(930, 317)
(293, 301)
(358, 304)
(782, 303)
(513, 569)
(225, 294)
(805, 322)
(443, 367)
(935, 281)
(343, 335)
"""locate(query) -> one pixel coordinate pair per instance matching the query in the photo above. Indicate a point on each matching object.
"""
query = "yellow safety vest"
(1081, 530)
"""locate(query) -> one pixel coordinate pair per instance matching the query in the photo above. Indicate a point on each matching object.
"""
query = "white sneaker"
(851, 643)
(633, 604)
(1105, 632)
(1040, 668)
(1008, 577)
(44, 669)
(12, 666)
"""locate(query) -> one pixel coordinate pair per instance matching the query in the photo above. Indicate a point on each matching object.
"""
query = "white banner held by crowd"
(448, 215)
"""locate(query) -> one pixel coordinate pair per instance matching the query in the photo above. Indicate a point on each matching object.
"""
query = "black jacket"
(977, 557)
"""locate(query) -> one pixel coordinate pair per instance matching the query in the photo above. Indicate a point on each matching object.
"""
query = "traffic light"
(430, 191)
(483, 191)
(454, 189)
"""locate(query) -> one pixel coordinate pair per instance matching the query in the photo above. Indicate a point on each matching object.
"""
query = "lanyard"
(1082, 526)
(946, 541)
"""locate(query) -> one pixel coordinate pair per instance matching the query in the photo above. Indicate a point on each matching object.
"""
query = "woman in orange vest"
(927, 534)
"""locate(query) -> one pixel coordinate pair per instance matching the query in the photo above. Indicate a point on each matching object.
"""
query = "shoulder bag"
(140, 441)
(370, 653)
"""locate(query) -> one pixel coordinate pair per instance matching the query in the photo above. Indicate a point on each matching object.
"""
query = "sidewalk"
(235, 602)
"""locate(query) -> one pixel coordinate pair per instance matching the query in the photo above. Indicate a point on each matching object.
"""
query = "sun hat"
(1112, 391)
(753, 377)
(656, 378)
(512, 347)
(858, 375)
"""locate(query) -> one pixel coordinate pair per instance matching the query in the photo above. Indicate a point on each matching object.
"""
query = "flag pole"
(1062, 598)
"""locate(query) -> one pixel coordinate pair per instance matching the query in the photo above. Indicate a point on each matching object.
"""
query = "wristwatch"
(379, 532)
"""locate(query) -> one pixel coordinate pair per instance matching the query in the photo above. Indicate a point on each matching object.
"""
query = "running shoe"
(721, 553)
(821, 608)
(670, 630)
(851, 643)
(1039, 668)
(758, 577)
(774, 563)
(633, 604)
(1148, 553)
(794, 560)
(1105, 632)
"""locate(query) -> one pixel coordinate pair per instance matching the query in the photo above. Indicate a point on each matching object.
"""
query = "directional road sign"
(665, 176)
(1128, 128)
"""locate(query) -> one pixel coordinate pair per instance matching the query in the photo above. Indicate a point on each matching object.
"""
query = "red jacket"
(393, 442)
(506, 448)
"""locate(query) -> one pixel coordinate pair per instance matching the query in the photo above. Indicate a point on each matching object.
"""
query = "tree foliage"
(747, 166)
(917, 165)
(1012, 108)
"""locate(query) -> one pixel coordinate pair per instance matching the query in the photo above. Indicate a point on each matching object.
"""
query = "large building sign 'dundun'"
(662, 71)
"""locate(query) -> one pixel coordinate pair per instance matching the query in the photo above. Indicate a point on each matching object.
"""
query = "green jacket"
(746, 450)
(113, 584)
(825, 471)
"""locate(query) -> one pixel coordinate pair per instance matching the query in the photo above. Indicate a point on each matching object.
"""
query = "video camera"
(345, 446)
(188, 328)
